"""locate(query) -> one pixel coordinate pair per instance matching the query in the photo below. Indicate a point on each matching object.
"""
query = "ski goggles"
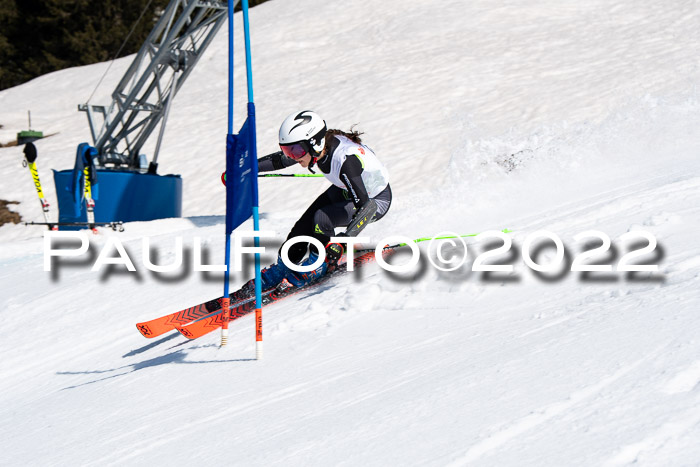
(294, 151)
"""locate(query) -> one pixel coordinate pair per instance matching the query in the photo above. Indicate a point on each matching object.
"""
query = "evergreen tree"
(8, 67)
(41, 36)
(48, 35)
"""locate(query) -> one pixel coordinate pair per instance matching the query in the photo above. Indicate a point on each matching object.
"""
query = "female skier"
(359, 194)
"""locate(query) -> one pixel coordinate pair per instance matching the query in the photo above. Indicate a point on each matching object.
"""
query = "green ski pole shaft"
(423, 239)
(223, 176)
(289, 175)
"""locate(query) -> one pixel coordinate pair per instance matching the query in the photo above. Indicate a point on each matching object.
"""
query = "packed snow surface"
(555, 115)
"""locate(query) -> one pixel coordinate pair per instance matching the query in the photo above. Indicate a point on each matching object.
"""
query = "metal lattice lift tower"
(144, 94)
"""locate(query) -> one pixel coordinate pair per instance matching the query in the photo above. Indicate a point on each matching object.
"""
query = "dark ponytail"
(353, 135)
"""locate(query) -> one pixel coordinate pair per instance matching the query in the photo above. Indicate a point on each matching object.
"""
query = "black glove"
(333, 253)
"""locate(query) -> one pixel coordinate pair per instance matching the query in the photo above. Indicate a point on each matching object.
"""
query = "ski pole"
(289, 175)
(423, 239)
(116, 225)
(223, 176)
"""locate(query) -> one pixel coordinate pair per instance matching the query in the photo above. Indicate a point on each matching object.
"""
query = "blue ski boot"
(301, 279)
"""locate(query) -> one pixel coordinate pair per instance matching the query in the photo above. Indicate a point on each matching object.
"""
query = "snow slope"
(559, 116)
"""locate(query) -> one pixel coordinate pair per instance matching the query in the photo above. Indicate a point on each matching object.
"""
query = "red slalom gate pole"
(258, 334)
(226, 318)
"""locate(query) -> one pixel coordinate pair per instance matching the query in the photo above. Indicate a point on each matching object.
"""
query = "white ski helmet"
(302, 133)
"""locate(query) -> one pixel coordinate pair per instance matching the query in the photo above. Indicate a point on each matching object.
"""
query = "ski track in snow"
(542, 415)
(557, 116)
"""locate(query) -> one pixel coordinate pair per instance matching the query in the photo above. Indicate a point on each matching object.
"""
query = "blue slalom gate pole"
(256, 215)
(242, 190)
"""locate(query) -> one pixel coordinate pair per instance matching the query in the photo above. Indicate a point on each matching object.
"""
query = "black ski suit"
(336, 206)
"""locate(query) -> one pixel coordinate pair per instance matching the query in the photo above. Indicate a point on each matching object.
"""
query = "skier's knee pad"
(323, 226)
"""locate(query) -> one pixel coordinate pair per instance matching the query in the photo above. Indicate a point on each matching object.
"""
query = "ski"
(169, 322)
(214, 320)
(30, 156)
(158, 326)
(208, 314)
(89, 202)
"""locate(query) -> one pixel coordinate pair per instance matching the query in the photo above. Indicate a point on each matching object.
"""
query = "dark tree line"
(41, 36)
